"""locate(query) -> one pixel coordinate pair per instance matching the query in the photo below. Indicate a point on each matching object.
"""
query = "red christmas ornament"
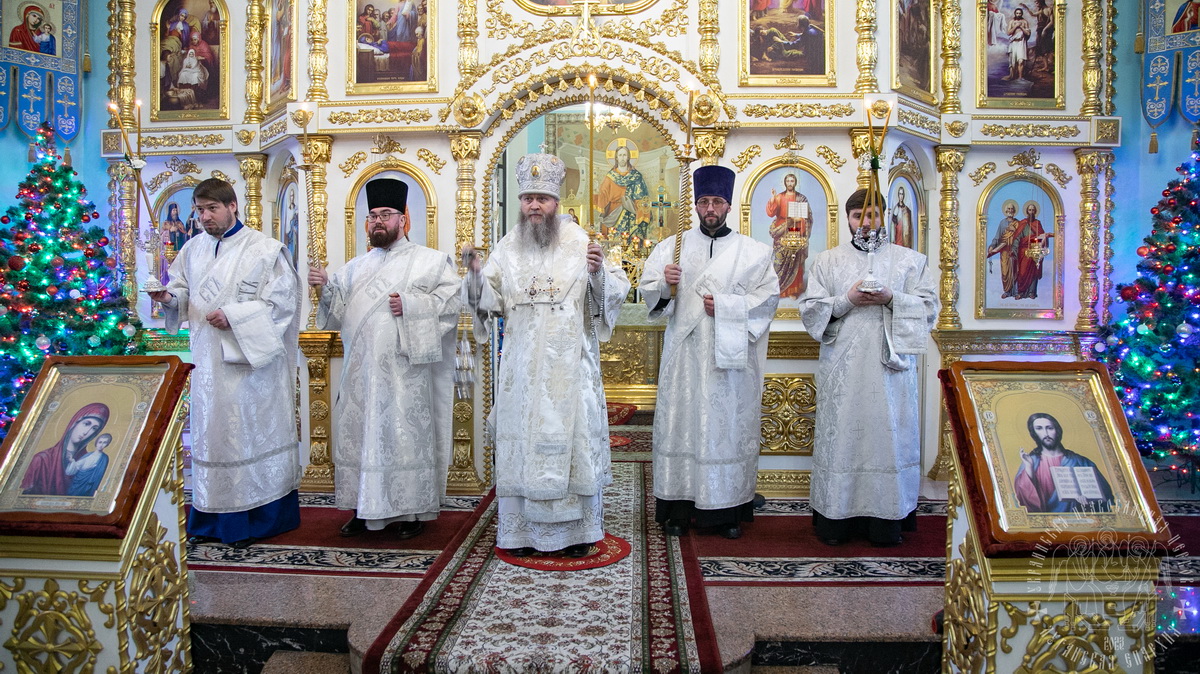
(1170, 248)
(34, 247)
(1129, 293)
(95, 214)
(16, 263)
(1154, 210)
(86, 218)
(22, 285)
(57, 261)
(1166, 192)
(111, 262)
(1143, 251)
(4, 219)
(51, 290)
(1168, 269)
(103, 241)
(89, 252)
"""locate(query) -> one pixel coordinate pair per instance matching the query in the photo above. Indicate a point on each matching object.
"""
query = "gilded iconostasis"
(995, 163)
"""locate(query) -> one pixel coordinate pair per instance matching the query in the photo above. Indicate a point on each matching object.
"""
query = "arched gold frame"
(634, 7)
(831, 204)
(288, 175)
(912, 171)
(156, 112)
(372, 170)
(981, 241)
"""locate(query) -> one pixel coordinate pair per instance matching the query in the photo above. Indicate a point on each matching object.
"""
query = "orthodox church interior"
(975, 120)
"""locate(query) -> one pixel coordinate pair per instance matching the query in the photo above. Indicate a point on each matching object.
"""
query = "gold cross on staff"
(586, 27)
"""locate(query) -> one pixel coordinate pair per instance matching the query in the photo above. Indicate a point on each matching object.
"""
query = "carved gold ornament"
(956, 128)
(245, 136)
(967, 625)
(1029, 159)
(1108, 131)
(746, 156)
(880, 108)
(221, 175)
(183, 140)
(157, 592)
(385, 144)
(705, 110)
(1060, 176)
(835, 160)
(789, 142)
(434, 162)
(800, 110)
(155, 184)
(52, 631)
(789, 408)
(470, 111)
(274, 130)
(352, 163)
(379, 116)
(1030, 130)
(182, 166)
(917, 120)
(980, 174)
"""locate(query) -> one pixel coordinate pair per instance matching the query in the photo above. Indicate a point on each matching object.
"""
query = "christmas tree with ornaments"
(1152, 351)
(60, 293)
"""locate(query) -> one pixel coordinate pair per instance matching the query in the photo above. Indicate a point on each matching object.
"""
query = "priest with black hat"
(397, 307)
(718, 299)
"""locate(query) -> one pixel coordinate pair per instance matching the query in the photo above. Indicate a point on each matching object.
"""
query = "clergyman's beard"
(713, 228)
(383, 238)
(542, 235)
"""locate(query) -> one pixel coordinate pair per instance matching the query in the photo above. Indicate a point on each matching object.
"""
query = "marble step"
(299, 662)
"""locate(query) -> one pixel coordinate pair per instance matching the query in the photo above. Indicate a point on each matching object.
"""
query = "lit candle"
(138, 118)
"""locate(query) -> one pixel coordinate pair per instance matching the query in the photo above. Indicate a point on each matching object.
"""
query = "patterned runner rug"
(474, 612)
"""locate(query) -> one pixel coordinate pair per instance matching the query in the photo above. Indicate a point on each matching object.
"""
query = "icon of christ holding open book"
(1053, 479)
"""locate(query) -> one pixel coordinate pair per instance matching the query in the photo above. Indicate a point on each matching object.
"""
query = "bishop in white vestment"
(867, 449)
(241, 298)
(559, 300)
(397, 307)
(707, 418)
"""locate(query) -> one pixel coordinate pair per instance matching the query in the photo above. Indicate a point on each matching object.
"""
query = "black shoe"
(243, 544)
(197, 540)
(675, 528)
(408, 530)
(577, 551)
(831, 540)
(354, 527)
(731, 532)
(888, 544)
(521, 552)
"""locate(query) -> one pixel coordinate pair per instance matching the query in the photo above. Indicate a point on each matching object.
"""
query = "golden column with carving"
(318, 348)
(1110, 59)
(710, 145)
(710, 49)
(951, 12)
(943, 465)
(254, 169)
(463, 479)
(122, 32)
(1093, 44)
(256, 27)
(123, 201)
(468, 38)
(867, 52)
(950, 160)
(1109, 207)
(860, 147)
(1091, 164)
(317, 153)
(318, 54)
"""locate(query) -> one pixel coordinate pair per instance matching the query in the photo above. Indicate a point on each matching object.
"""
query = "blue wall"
(85, 149)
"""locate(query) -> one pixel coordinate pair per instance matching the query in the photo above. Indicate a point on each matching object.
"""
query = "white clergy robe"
(245, 450)
(867, 449)
(707, 419)
(549, 421)
(392, 418)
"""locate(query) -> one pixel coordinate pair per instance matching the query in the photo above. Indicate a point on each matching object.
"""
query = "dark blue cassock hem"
(265, 521)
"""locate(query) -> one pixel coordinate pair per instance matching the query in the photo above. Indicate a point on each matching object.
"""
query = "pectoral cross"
(1157, 84)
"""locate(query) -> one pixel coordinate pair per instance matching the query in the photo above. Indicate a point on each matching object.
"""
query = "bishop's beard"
(542, 234)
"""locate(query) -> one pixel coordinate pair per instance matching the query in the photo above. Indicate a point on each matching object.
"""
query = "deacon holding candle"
(867, 449)
(707, 417)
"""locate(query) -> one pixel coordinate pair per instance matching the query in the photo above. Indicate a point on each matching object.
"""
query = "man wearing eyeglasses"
(718, 300)
(396, 307)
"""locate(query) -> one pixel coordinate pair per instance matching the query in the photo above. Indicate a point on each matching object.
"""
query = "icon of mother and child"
(69, 468)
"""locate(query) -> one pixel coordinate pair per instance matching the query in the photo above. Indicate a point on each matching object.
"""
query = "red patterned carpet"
(474, 612)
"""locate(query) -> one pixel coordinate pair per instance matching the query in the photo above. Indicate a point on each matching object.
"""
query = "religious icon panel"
(1047, 445)
(786, 43)
(282, 58)
(33, 26)
(192, 70)
(421, 206)
(287, 217)
(1021, 56)
(906, 212)
(1020, 250)
(791, 207)
(913, 52)
(84, 425)
(390, 50)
